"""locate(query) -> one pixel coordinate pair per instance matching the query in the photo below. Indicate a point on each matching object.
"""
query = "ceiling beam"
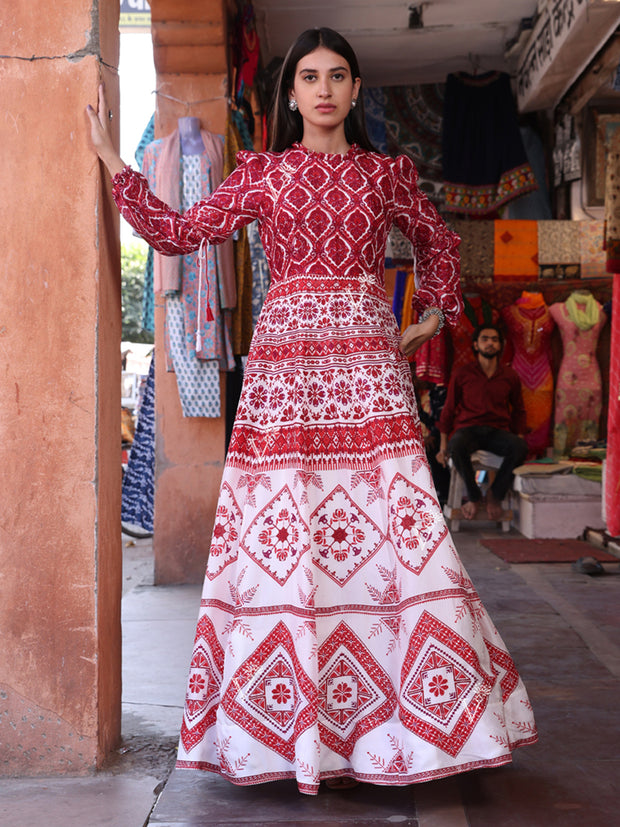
(602, 68)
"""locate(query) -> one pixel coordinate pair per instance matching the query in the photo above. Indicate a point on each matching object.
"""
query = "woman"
(339, 637)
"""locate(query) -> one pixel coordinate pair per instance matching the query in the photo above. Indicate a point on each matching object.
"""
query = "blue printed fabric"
(261, 276)
(138, 481)
(198, 380)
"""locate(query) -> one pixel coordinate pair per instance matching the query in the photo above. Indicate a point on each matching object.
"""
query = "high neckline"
(315, 152)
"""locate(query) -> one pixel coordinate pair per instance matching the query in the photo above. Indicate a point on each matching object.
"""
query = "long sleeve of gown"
(436, 254)
(236, 202)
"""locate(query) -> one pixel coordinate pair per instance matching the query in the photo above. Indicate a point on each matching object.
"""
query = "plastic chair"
(482, 461)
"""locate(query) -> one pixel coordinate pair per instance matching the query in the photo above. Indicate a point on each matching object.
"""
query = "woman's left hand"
(415, 335)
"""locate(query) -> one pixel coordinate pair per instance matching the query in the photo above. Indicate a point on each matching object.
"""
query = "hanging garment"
(148, 295)
(374, 109)
(536, 205)
(138, 492)
(431, 360)
(169, 188)
(261, 277)
(612, 464)
(198, 380)
(412, 117)
(484, 160)
(242, 317)
(399, 294)
(212, 336)
(338, 631)
(529, 326)
(612, 203)
(246, 50)
(476, 311)
(237, 133)
(579, 394)
(407, 314)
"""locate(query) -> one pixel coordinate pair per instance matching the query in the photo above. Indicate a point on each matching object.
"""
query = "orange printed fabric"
(516, 250)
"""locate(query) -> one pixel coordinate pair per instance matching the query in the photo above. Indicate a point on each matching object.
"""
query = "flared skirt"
(338, 632)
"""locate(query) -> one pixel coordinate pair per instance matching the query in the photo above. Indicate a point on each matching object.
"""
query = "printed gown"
(338, 632)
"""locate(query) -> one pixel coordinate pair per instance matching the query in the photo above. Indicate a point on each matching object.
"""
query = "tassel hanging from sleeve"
(202, 274)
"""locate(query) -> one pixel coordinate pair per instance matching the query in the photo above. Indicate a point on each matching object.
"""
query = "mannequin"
(529, 326)
(191, 139)
(185, 166)
(578, 396)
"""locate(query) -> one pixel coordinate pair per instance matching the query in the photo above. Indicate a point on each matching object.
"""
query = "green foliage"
(133, 264)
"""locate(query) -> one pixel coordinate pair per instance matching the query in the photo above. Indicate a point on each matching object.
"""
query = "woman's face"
(324, 88)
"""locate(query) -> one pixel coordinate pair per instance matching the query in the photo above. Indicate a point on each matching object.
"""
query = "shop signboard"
(135, 16)
(566, 36)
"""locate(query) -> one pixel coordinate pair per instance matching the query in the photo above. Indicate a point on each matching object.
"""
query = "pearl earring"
(353, 103)
(292, 105)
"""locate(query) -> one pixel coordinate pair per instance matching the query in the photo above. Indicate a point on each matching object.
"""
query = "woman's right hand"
(100, 134)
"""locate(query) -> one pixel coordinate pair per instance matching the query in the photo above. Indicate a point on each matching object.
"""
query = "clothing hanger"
(188, 104)
(475, 63)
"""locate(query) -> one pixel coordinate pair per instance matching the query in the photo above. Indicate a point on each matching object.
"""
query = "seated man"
(484, 411)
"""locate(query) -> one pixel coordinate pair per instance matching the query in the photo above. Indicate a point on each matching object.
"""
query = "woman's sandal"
(343, 782)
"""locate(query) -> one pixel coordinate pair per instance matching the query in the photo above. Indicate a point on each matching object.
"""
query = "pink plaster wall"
(60, 552)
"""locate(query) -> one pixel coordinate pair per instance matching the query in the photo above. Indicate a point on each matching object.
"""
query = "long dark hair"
(287, 126)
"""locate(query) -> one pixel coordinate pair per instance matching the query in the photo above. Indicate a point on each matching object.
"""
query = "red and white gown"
(338, 631)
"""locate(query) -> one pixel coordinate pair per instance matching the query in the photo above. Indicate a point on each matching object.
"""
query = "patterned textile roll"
(592, 249)
(477, 243)
(515, 250)
(558, 242)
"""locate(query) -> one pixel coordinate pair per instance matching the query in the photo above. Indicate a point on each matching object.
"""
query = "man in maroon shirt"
(484, 411)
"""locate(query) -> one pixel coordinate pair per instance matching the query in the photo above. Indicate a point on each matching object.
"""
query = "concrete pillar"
(60, 549)
(190, 56)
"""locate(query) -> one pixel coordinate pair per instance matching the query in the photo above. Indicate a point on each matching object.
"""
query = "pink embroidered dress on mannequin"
(338, 631)
(529, 325)
(579, 394)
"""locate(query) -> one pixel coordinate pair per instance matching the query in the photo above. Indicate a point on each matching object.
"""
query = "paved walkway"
(561, 627)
